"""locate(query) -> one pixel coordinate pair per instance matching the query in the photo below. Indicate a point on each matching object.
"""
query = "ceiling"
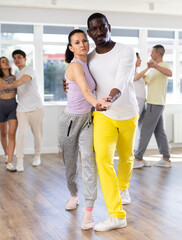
(164, 7)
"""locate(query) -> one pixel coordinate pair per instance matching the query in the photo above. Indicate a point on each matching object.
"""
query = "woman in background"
(139, 84)
(76, 128)
(8, 120)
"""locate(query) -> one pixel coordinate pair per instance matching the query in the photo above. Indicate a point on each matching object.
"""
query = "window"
(17, 32)
(125, 36)
(180, 38)
(180, 43)
(17, 36)
(6, 50)
(54, 69)
(56, 34)
(55, 42)
(47, 44)
(180, 84)
(160, 37)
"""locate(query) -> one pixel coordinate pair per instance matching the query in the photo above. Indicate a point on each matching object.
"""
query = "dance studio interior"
(32, 202)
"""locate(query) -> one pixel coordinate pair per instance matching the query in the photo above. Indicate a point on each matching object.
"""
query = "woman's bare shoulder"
(74, 65)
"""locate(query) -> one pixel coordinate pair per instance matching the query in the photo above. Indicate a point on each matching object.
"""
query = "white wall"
(69, 17)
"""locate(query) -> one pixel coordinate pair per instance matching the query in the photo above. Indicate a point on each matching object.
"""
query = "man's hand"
(65, 85)
(3, 85)
(151, 64)
(102, 104)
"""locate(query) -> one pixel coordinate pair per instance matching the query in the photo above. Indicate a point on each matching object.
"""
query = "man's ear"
(71, 48)
(158, 54)
(88, 31)
(109, 27)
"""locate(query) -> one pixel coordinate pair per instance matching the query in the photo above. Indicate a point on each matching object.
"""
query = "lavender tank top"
(77, 104)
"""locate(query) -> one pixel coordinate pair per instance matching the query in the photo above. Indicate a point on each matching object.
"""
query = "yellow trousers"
(111, 135)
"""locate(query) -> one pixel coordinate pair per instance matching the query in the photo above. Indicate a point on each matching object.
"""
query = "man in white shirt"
(30, 109)
(112, 65)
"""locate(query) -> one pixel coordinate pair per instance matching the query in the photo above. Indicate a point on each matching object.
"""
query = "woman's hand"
(102, 104)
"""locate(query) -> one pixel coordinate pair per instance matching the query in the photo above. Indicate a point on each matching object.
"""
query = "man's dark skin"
(99, 30)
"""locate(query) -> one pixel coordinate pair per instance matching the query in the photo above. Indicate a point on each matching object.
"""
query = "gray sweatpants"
(141, 104)
(152, 122)
(76, 134)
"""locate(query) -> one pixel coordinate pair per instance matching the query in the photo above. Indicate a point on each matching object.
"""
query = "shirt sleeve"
(30, 72)
(165, 65)
(126, 68)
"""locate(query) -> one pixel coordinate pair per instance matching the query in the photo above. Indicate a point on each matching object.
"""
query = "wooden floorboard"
(32, 203)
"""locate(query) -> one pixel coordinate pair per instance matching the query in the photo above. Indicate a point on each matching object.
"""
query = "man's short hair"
(159, 48)
(94, 16)
(18, 51)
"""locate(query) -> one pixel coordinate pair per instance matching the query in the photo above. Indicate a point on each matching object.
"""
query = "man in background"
(157, 80)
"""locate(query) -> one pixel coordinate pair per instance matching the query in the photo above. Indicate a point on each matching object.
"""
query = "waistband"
(7, 100)
(76, 115)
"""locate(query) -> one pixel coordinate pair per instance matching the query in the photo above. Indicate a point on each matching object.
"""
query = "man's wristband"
(109, 100)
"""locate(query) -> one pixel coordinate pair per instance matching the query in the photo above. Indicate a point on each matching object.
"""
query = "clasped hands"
(103, 104)
(151, 64)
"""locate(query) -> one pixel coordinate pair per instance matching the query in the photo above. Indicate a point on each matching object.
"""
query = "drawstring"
(69, 128)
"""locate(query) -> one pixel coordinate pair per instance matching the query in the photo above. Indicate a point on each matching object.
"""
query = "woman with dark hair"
(75, 125)
(8, 120)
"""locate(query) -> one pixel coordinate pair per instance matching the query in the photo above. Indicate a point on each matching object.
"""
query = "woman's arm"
(75, 73)
(141, 74)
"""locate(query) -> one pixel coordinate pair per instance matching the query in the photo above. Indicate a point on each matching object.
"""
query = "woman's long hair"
(1, 72)
(69, 54)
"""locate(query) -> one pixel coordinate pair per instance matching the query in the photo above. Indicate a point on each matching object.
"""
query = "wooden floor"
(32, 203)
